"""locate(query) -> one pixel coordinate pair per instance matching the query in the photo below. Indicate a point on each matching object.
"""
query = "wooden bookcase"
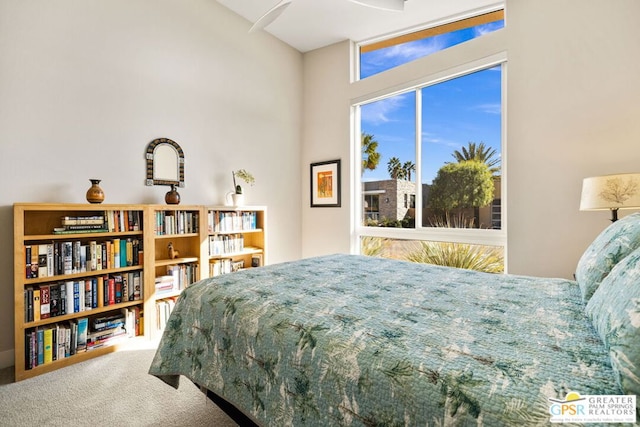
(34, 226)
(236, 238)
(188, 228)
(182, 228)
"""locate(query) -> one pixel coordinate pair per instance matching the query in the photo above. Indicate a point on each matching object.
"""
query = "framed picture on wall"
(325, 184)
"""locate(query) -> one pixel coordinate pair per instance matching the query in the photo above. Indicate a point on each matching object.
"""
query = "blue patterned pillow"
(614, 310)
(609, 248)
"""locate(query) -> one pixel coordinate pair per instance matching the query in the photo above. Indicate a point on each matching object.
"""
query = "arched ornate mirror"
(165, 163)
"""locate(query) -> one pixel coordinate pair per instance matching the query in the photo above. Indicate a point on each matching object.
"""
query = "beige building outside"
(391, 202)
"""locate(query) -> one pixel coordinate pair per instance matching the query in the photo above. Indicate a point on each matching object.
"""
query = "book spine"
(40, 347)
(88, 297)
(63, 298)
(70, 292)
(45, 301)
(50, 262)
(42, 261)
(76, 297)
(76, 256)
(27, 255)
(54, 300)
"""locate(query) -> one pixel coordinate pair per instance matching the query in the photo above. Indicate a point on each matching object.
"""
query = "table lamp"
(611, 192)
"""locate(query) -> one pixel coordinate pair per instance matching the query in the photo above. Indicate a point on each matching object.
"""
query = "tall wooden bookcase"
(182, 228)
(34, 226)
(192, 231)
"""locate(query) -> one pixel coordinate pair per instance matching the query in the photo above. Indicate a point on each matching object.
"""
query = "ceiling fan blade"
(270, 16)
(382, 4)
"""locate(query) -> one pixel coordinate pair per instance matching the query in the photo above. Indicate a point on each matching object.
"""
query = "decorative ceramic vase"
(234, 199)
(95, 193)
(172, 197)
(238, 199)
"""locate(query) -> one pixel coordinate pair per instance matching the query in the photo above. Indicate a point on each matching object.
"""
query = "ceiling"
(310, 24)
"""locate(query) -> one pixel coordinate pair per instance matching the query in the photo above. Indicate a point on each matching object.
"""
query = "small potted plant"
(237, 197)
(243, 175)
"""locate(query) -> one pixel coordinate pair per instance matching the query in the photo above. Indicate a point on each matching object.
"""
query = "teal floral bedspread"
(347, 340)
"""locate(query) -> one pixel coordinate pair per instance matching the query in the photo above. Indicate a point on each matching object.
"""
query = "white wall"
(86, 85)
(572, 106)
(573, 112)
(326, 137)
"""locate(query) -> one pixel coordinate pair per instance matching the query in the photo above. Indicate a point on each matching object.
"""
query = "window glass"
(461, 150)
(489, 259)
(388, 144)
(395, 52)
(460, 159)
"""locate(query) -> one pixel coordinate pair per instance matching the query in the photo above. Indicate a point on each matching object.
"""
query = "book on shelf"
(42, 261)
(231, 221)
(76, 256)
(83, 326)
(29, 304)
(48, 345)
(220, 244)
(176, 222)
(39, 346)
(74, 296)
(82, 220)
(221, 266)
(164, 308)
(63, 230)
(36, 305)
(45, 301)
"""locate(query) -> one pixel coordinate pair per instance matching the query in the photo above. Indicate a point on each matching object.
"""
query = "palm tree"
(408, 167)
(395, 168)
(370, 155)
(481, 153)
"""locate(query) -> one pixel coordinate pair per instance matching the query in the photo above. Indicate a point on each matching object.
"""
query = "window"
(460, 153)
(431, 167)
(389, 53)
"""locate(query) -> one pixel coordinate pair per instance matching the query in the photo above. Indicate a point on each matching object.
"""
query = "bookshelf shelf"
(92, 312)
(163, 262)
(83, 274)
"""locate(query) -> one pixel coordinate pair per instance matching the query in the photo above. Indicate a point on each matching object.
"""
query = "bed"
(359, 341)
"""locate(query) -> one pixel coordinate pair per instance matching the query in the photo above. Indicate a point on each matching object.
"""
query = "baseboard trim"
(6, 359)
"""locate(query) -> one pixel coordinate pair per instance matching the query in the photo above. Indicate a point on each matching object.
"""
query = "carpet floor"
(112, 390)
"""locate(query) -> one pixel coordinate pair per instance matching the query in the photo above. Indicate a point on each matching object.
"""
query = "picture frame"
(325, 184)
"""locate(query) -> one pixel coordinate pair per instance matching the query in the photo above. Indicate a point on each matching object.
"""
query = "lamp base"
(614, 214)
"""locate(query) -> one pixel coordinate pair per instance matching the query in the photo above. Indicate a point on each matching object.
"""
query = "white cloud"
(489, 108)
(380, 111)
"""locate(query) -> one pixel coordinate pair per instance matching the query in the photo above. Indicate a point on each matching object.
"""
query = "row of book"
(111, 221)
(178, 277)
(221, 244)
(221, 266)
(163, 311)
(55, 342)
(69, 257)
(230, 221)
(176, 222)
(57, 299)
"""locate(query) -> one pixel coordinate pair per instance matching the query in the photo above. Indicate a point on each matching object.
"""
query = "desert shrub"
(489, 259)
(372, 246)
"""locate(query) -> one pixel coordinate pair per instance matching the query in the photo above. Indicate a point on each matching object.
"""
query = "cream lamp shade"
(611, 192)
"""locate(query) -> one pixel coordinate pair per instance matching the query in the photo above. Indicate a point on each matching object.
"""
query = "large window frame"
(472, 236)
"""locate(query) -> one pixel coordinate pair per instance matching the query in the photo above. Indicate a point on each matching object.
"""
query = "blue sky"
(454, 113)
